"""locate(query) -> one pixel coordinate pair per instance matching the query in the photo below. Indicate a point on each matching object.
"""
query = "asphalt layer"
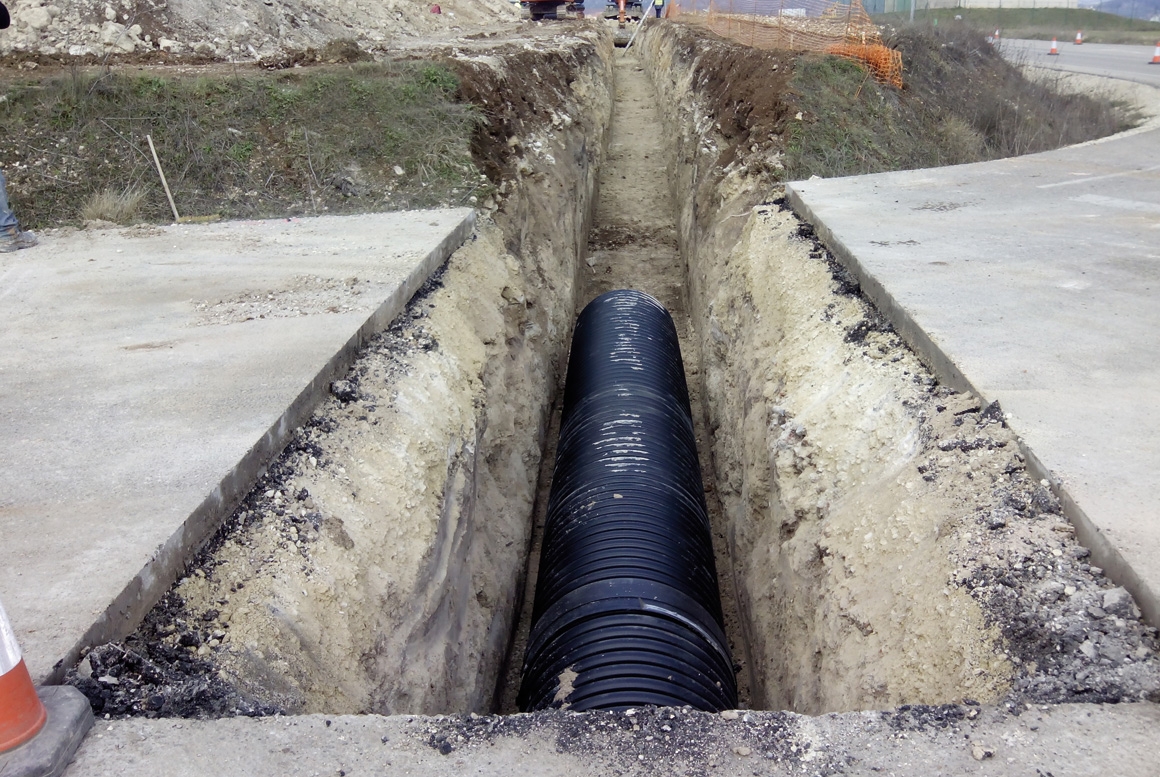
(1034, 281)
(148, 374)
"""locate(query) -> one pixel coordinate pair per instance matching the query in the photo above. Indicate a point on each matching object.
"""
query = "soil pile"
(235, 31)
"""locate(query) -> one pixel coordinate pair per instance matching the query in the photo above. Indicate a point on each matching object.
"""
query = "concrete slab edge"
(1066, 739)
(922, 343)
(1104, 553)
(169, 560)
(48, 753)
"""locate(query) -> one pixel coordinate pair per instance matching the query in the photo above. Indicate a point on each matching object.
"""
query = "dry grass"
(119, 207)
(962, 103)
(1038, 23)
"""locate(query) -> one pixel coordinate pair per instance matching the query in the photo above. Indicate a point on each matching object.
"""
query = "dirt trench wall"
(840, 548)
(888, 543)
(422, 472)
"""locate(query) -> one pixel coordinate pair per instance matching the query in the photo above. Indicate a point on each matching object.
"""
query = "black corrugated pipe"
(627, 610)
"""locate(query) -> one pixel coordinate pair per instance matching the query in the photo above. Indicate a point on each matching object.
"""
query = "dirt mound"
(233, 30)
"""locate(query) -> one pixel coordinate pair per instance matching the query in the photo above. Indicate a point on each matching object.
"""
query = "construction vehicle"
(623, 10)
(551, 9)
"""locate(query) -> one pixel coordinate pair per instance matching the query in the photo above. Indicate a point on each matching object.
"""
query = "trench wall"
(519, 299)
(840, 559)
(404, 599)
(514, 292)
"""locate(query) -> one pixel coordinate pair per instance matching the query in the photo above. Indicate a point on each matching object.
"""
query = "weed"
(241, 152)
(119, 207)
(438, 79)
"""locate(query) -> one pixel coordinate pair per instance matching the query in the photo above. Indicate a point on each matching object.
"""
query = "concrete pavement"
(147, 376)
(1077, 740)
(1035, 281)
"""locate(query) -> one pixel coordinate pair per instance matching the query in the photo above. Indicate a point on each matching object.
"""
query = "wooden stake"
(164, 183)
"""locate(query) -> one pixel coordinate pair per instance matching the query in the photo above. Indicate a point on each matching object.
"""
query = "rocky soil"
(234, 31)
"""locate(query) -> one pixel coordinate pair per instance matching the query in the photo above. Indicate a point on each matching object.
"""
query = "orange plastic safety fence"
(840, 28)
(884, 62)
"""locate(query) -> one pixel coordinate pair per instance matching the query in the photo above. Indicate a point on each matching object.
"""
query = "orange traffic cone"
(1156, 55)
(22, 714)
(1078, 37)
(1054, 49)
(40, 728)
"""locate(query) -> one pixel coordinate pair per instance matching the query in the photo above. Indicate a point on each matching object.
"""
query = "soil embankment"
(273, 30)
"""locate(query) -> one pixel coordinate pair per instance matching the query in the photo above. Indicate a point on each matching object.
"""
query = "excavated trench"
(878, 539)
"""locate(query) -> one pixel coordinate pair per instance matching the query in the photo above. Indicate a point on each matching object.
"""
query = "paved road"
(1127, 63)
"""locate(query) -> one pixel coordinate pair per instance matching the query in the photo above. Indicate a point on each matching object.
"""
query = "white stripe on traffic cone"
(21, 712)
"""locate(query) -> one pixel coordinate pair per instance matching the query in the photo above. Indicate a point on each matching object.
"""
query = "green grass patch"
(1037, 23)
(301, 141)
(962, 103)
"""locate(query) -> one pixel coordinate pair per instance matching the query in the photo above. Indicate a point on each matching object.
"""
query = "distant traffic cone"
(1054, 49)
(22, 714)
(1156, 55)
(1078, 37)
(996, 34)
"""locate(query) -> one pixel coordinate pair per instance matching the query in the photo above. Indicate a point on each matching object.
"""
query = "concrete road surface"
(1126, 63)
(1072, 740)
